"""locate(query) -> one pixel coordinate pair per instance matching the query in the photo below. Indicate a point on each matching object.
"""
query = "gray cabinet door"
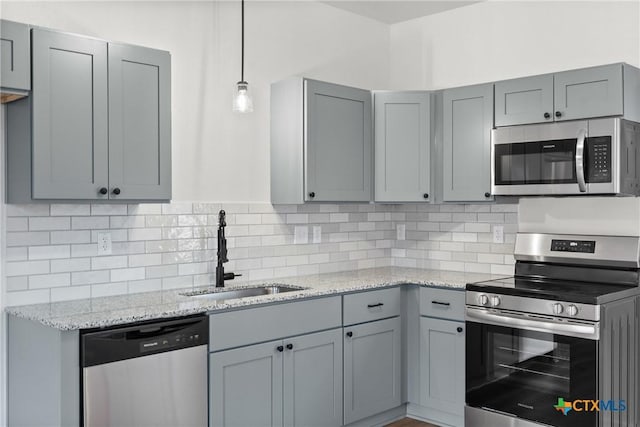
(402, 148)
(525, 100)
(590, 92)
(313, 380)
(15, 56)
(246, 386)
(337, 143)
(70, 147)
(139, 123)
(372, 364)
(442, 365)
(468, 119)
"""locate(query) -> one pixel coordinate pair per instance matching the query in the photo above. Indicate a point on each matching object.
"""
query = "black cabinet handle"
(375, 305)
(349, 334)
(425, 195)
(280, 348)
(103, 191)
(558, 114)
(459, 329)
(447, 304)
(116, 191)
(312, 194)
(289, 346)
(547, 115)
(487, 194)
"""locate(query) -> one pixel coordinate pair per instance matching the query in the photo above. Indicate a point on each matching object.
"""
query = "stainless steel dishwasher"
(151, 374)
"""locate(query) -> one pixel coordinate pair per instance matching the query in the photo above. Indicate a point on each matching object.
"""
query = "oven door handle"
(579, 330)
(582, 185)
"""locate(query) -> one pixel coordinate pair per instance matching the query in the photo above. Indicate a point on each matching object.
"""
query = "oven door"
(525, 373)
(551, 159)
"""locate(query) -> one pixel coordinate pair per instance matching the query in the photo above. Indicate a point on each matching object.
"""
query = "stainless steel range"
(555, 345)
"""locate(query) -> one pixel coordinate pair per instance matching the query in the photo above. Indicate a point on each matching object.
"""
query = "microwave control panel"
(598, 159)
(584, 246)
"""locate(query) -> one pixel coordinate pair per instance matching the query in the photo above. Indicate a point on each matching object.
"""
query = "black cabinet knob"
(558, 114)
(459, 329)
(312, 194)
(116, 191)
(280, 348)
(547, 115)
(487, 194)
(103, 191)
(289, 346)
(349, 334)
(425, 195)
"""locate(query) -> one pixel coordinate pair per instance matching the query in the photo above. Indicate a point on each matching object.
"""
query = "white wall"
(504, 39)
(219, 155)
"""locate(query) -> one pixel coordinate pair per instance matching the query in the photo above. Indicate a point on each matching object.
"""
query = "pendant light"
(242, 102)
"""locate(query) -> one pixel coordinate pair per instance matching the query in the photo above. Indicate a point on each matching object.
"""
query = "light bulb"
(242, 102)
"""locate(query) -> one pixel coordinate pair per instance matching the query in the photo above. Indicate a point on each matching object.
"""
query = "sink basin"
(223, 294)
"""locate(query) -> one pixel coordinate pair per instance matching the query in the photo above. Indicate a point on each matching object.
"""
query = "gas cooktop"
(556, 290)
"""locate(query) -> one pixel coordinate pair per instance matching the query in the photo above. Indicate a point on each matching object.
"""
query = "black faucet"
(221, 276)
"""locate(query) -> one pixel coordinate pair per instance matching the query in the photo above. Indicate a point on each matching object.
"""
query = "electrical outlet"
(300, 235)
(498, 234)
(104, 243)
(401, 231)
(317, 234)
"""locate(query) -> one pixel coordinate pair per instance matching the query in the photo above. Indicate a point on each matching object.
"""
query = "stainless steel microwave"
(597, 156)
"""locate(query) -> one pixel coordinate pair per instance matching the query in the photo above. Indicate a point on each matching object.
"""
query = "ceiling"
(393, 11)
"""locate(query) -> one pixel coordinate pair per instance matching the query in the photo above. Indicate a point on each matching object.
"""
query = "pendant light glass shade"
(242, 102)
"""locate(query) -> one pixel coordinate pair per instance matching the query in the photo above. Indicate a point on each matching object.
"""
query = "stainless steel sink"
(223, 294)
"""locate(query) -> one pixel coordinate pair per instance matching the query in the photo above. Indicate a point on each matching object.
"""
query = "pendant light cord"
(242, 54)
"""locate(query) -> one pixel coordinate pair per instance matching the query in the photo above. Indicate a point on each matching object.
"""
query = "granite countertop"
(108, 311)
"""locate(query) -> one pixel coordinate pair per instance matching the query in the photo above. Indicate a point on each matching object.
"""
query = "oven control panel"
(598, 159)
(584, 246)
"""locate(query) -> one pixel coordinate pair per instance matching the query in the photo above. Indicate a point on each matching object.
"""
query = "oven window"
(524, 373)
(544, 162)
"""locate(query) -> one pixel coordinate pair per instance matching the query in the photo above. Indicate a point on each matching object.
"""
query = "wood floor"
(408, 422)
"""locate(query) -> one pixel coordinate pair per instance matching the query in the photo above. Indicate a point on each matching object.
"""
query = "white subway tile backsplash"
(174, 246)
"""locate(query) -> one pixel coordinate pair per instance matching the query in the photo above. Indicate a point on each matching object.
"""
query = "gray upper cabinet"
(15, 57)
(97, 125)
(525, 100)
(402, 148)
(608, 90)
(139, 123)
(372, 368)
(246, 386)
(467, 124)
(590, 92)
(70, 131)
(442, 373)
(321, 142)
(313, 380)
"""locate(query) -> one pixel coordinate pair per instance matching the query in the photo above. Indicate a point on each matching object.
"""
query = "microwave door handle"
(582, 185)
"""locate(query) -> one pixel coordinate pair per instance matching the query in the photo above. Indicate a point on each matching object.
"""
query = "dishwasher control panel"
(142, 339)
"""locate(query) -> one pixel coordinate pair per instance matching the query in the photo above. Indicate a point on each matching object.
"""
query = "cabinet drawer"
(373, 305)
(444, 303)
(254, 325)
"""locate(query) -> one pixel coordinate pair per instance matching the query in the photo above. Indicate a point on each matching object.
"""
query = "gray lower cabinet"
(15, 57)
(321, 142)
(291, 382)
(442, 366)
(402, 146)
(467, 124)
(96, 126)
(372, 368)
(139, 123)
